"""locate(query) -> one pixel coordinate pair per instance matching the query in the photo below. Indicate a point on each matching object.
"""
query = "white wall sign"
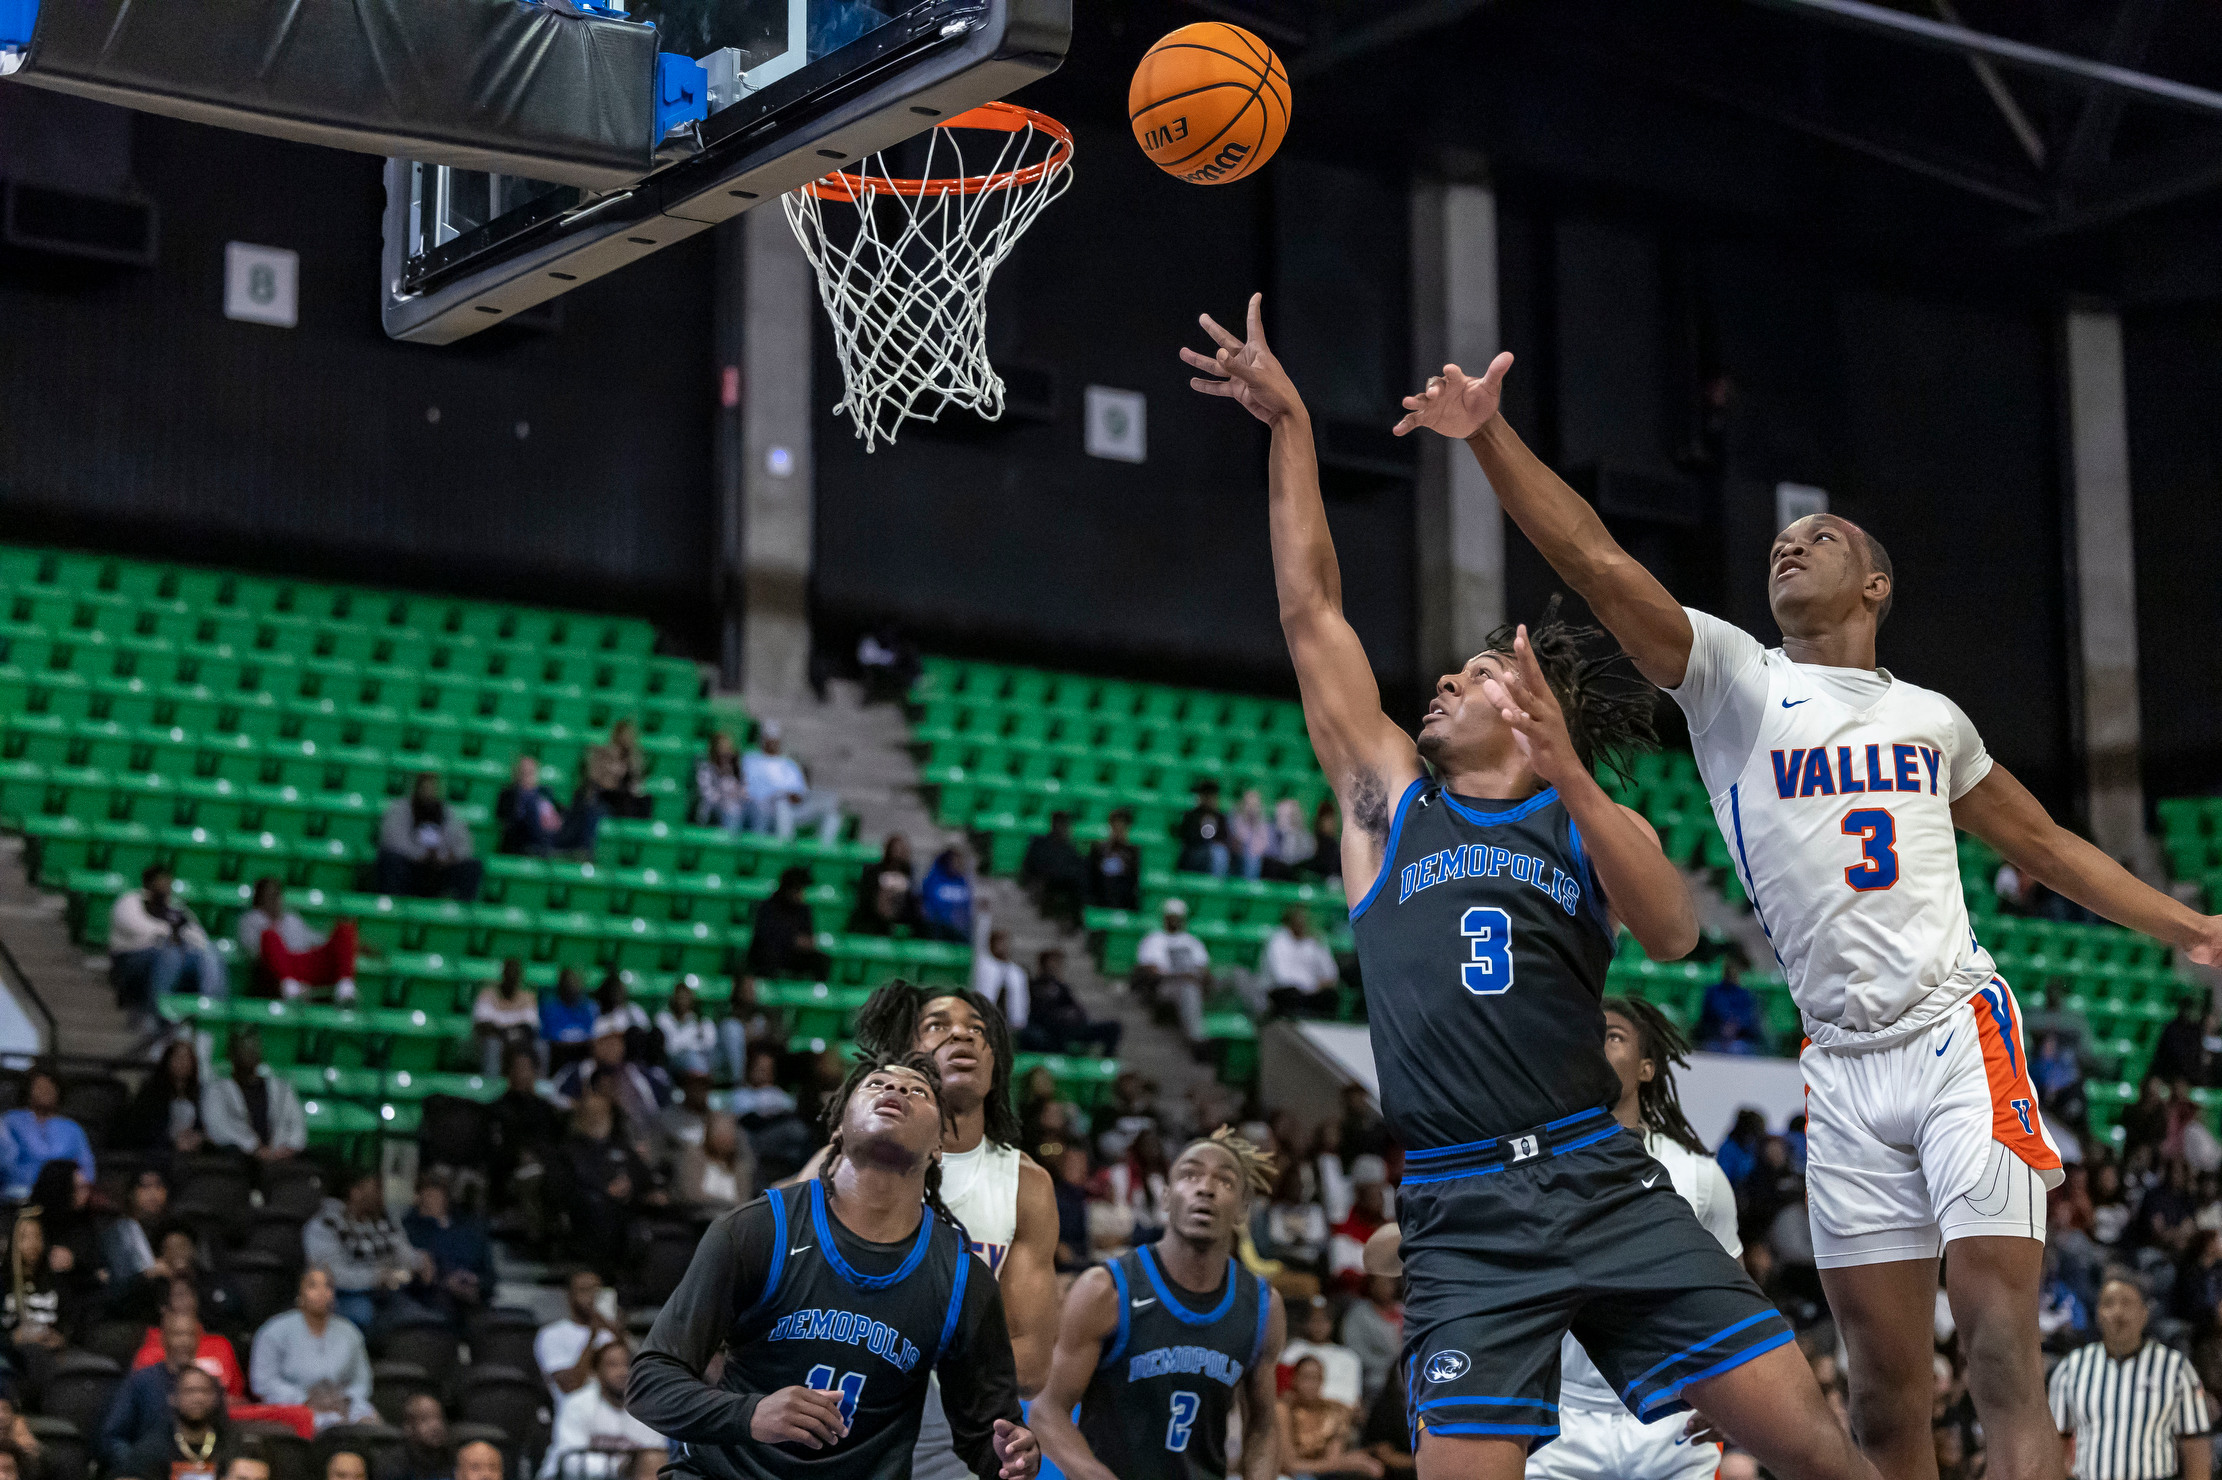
(261, 284)
(1794, 501)
(1118, 424)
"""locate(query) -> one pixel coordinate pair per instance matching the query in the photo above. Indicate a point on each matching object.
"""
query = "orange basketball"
(1209, 103)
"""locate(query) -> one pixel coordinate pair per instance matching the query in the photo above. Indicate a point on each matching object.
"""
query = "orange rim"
(1004, 118)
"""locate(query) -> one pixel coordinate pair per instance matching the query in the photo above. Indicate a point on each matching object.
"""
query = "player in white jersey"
(1005, 1201)
(1838, 787)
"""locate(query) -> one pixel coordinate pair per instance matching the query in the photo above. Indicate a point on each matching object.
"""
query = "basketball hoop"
(909, 303)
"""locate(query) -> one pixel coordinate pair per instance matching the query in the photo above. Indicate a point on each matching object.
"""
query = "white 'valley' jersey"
(980, 1186)
(1834, 788)
(1704, 1186)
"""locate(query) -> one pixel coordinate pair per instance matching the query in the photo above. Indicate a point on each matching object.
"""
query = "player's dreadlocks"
(1254, 1162)
(887, 1026)
(1658, 1100)
(1608, 705)
(838, 1106)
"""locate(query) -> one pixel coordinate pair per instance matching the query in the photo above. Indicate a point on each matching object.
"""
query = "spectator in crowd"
(685, 1121)
(746, 1021)
(251, 1109)
(1071, 1188)
(1387, 1435)
(1056, 1022)
(887, 664)
(1314, 1431)
(595, 1438)
(564, 1347)
(2132, 1408)
(188, 1435)
(62, 1196)
(1115, 867)
(636, 1092)
(311, 1356)
(611, 775)
(2181, 1051)
(1250, 834)
(1363, 1131)
(20, 1450)
(1369, 1209)
(1172, 964)
(1293, 843)
(369, 1258)
(945, 897)
(532, 825)
(2145, 1123)
(783, 943)
(759, 1099)
(1203, 834)
(289, 957)
(1342, 1376)
(209, 1351)
(780, 798)
(720, 792)
(38, 1310)
(1326, 861)
(1729, 1020)
(1374, 1328)
(718, 1175)
(155, 945)
(141, 1405)
(479, 1459)
(605, 1181)
(461, 1254)
(886, 896)
(1001, 980)
(427, 1453)
(527, 1128)
(163, 1116)
(346, 1464)
(2054, 1069)
(128, 1243)
(424, 848)
(614, 1005)
(1739, 1153)
(1291, 1230)
(1300, 973)
(1054, 872)
(505, 1015)
(39, 1133)
(195, 1288)
(567, 1020)
(690, 1037)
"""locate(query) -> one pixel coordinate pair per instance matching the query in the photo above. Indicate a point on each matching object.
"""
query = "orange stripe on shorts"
(2014, 1114)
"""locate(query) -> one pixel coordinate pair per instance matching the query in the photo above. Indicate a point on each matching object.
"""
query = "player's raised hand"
(2208, 950)
(1015, 1446)
(799, 1415)
(1245, 370)
(1524, 701)
(1455, 403)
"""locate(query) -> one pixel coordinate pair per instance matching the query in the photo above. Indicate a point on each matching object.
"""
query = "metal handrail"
(31, 991)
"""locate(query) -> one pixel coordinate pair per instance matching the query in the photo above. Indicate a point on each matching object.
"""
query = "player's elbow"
(1033, 1368)
(1669, 938)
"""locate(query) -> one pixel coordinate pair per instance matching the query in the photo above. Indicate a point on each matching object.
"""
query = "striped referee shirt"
(2127, 1414)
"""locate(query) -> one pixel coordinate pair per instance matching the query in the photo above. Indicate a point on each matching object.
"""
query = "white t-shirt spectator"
(489, 1008)
(558, 1348)
(1306, 964)
(696, 1035)
(1004, 984)
(581, 1418)
(1342, 1375)
(768, 777)
(1173, 953)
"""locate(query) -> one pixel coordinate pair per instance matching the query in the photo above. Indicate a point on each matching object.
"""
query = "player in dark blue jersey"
(1158, 1346)
(1486, 870)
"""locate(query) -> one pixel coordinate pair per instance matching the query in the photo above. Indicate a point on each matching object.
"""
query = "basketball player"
(1480, 896)
(1155, 1345)
(1003, 1200)
(830, 1302)
(1838, 786)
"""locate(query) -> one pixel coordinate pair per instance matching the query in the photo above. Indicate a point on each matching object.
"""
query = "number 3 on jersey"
(1488, 967)
(1877, 831)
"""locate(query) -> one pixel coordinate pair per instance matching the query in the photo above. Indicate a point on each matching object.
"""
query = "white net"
(903, 263)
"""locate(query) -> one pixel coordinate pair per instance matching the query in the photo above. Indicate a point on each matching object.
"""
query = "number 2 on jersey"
(1877, 831)
(1185, 1406)
(1488, 968)
(851, 1385)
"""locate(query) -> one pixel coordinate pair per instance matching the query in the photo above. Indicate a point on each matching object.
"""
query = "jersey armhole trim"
(1593, 896)
(1118, 1284)
(778, 1200)
(1265, 1312)
(956, 1298)
(1388, 848)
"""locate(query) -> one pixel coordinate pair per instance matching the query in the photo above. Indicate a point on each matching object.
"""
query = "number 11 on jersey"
(1488, 967)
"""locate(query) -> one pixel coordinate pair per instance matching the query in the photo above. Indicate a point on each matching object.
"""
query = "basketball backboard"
(794, 89)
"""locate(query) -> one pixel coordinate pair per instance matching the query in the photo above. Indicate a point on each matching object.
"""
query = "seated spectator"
(346, 1464)
(886, 897)
(39, 1133)
(479, 1459)
(289, 957)
(610, 775)
(1326, 862)
(1342, 1378)
(637, 1091)
(684, 1121)
(1072, 1169)
(1388, 1432)
(527, 1127)
(141, 1405)
(532, 825)
(2054, 1069)
(595, 1438)
(690, 1038)
(564, 1347)
(251, 1109)
(1056, 1022)
(62, 1196)
(369, 1258)
(1729, 1021)
(613, 1003)
(1292, 1228)
(783, 943)
(424, 848)
(210, 1352)
(1202, 832)
(945, 897)
(38, 1310)
(605, 1181)
(188, 1436)
(427, 1453)
(1300, 972)
(163, 1116)
(1001, 980)
(1374, 1329)
(505, 1015)
(1739, 1149)
(128, 1243)
(718, 1175)
(311, 1356)
(21, 1454)
(155, 946)
(1172, 963)
(462, 1255)
(1054, 871)
(780, 798)
(1294, 846)
(1250, 834)
(194, 1287)
(1315, 1430)
(746, 1022)
(759, 1100)
(720, 792)
(567, 1020)
(1115, 867)
(1369, 1209)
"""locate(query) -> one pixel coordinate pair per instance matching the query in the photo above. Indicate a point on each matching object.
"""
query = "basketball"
(1209, 103)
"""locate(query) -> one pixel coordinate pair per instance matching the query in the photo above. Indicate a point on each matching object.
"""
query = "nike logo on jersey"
(803, 1250)
(1807, 773)
(1138, 1304)
(1651, 1179)
(1794, 703)
(1947, 1043)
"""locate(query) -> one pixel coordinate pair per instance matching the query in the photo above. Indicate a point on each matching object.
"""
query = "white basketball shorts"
(1594, 1444)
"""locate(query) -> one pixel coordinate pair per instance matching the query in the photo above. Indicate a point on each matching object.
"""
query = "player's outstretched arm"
(1091, 1315)
(1029, 1278)
(1645, 891)
(1628, 599)
(1999, 810)
(1368, 758)
(1261, 1428)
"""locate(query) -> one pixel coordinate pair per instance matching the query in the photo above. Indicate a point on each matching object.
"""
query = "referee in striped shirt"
(2131, 1409)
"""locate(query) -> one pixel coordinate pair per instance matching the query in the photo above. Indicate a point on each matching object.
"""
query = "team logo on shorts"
(1447, 1366)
